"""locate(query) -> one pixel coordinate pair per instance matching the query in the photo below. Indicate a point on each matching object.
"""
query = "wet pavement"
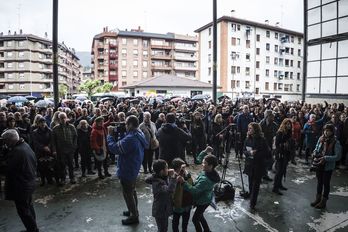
(96, 205)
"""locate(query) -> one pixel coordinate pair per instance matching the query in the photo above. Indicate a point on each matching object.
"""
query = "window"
(21, 86)
(10, 86)
(287, 63)
(145, 54)
(124, 52)
(257, 90)
(209, 71)
(209, 58)
(247, 84)
(124, 41)
(20, 43)
(145, 64)
(267, 72)
(124, 74)
(247, 71)
(21, 65)
(266, 85)
(238, 69)
(276, 48)
(292, 39)
(233, 41)
(233, 26)
(124, 83)
(9, 76)
(291, 75)
(135, 63)
(135, 52)
(275, 60)
(257, 77)
(291, 63)
(135, 42)
(9, 43)
(291, 51)
(124, 63)
(9, 65)
(280, 86)
(275, 86)
(135, 74)
(267, 46)
(21, 54)
(233, 70)
(9, 54)
(209, 44)
(276, 35)
(257, 51)
(275, 73)
(280, 62)
(238, 84)
(268, 34)
(298, 64)
(299, 40)
(209, 30)
(233, 84)
(247, 43)
(258, 38)
(21, 75)
(238, 41)
(267, 59)
(298, 88)
(145, 43)
(257, 64)
(298, 76)
(238, 27)
(299, 52)
(144, 74)
(247, 57)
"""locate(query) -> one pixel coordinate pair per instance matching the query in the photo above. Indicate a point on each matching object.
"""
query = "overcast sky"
(80, 20)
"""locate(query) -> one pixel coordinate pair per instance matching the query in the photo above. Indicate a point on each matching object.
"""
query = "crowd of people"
(87, 138)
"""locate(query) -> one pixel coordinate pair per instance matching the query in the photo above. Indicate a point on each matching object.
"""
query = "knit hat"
(268, 113)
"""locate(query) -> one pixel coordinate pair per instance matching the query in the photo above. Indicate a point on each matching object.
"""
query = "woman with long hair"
(218, 139)
(284, 146)
(327, 152)
(255, 151)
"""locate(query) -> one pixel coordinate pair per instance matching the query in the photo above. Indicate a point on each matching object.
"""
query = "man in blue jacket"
(243, 120)
(131, 153)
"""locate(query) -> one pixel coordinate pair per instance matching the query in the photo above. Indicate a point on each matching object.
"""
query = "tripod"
(238, 143)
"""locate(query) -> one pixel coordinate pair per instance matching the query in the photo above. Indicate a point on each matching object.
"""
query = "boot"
(322, 203)
(130, 221)
(317, 200)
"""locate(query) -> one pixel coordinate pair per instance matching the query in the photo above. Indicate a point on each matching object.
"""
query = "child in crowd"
(163, 183)
(207, 151)
(182, 199)
(202, 191)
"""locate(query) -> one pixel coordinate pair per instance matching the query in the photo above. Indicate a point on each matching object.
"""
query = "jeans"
(198, 219)
(281, 165)
(130, 197)
(148, 159)
(176, 221)
(323, 180)
(26, 212)
(63, 160)
(254, 187)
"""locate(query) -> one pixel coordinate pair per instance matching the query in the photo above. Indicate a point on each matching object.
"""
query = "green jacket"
(202, 188)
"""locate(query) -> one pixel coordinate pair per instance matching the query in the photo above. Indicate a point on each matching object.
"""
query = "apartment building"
(26, 66)
(327, 44)
(127, 57)
(254, 59)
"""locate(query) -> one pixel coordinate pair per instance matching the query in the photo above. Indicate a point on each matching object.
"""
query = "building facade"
(26, 66)
(327, 44)
(127, 57)
(254, 59)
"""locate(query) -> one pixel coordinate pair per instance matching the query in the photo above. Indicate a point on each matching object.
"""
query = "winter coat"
(284, 146)
(162, 189)
(269, 131)
(243, 121)
(255, 164)
(148, 130)
(198, 132)
(41, 138)
(98, 137)
(216, 128)
(312, 131)
(21, 172)
(131, 153)
(171, 140)
(83, 141)
(64, 139)
(182, 199)
(202, 187)
(332, 155)
(296, 131)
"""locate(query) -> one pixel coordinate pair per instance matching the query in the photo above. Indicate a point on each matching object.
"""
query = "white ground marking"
(340, 191)
(329, 222)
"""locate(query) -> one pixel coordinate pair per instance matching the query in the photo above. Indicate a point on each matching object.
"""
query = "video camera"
(316, 163)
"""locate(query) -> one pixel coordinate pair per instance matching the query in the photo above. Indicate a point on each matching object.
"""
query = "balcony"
(113, 77)
(162, 46)
(185, 58)
(187, 68)
(161, 56)
(112, 45)
(185, 48)
(113, 66)
(113, 55)
(161, 67)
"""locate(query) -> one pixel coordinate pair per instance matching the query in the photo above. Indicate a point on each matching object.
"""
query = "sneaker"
(130, 221)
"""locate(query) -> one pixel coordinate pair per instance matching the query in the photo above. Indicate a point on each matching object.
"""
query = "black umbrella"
(29, 97)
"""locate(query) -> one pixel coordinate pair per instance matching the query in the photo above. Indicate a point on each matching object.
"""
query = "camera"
(316, 163)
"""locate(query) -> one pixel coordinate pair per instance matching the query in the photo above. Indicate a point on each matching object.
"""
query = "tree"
(63, 90)
(105, 88)
(90, 87)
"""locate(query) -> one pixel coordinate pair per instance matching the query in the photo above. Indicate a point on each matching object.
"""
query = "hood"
(168, 127)
(140, 135)
(213, 176)
(95, 127)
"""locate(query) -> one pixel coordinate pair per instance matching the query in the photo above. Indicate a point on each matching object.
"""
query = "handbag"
(154, 144)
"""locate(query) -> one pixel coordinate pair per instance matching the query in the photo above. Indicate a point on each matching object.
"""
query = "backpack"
(224, 191)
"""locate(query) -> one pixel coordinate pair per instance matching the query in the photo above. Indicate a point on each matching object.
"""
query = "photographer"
(326, 153)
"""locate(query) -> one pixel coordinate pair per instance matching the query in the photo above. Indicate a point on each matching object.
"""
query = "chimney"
(103, 29)
(15, 33)
(277, 24)
(9, 32)
(106, 29)
(233, 13)
(20, 31)
(46, 35)
(267, 21)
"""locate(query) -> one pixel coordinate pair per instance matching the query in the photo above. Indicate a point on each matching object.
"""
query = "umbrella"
(44, 103)
(81, 98)
(29, 97)
(222, 97)
(272, 99)
(200, 97)
(176, 99)
(3, 96)
(3, 101)
(17, 99)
